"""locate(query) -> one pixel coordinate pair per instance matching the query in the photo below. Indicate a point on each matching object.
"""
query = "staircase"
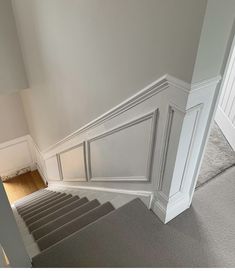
(53, 224)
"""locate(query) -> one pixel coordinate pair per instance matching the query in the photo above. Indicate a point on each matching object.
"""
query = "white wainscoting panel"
(151, 142)
(226, 125)
(225, 115)
(15, 157)
(52, 168)
(72, 163)
(123, 153)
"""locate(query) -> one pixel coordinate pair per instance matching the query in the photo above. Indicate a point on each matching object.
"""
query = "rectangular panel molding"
(124, 153)
(72, 163)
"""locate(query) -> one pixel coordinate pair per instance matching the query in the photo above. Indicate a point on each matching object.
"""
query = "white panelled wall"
(147, 145)
(225, 115)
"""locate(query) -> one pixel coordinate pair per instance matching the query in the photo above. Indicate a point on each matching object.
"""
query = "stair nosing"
(76, 219)
(73, 218)
(58, 210)
(46, 209)
(47, 203)
(34, 202)
(44, 250)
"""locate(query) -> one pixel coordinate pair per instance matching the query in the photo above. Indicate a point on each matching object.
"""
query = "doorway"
(220, 149)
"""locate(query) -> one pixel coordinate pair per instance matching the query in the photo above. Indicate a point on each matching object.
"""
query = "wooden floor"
(23, 185)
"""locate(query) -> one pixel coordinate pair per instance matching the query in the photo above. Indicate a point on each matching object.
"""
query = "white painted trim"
(112, 190)
(13, 142)
(205, 83)
(42, 175)
(226, 126)
(83, 144)
(152, 89)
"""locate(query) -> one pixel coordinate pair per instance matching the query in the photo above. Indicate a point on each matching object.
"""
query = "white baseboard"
(226, 126)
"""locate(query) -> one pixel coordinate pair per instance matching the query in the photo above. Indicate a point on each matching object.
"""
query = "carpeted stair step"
(74, 226)
(47, 203)
(62, 211)
(53, 225)
(30, 197)
(50, 210)
(36, 201)
(128, 237)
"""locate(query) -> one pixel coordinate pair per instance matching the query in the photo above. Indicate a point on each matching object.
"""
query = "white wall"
(217, 35)
(84, 57)
(12, 119)
(10, 238)
(12, 72)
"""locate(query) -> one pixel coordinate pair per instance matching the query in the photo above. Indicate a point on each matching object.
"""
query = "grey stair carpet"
(30, 197)
(132, 236)
(47, 211)
(40, 204)
(36, 201)
(60, 212)
(49, 203)
(53, 225)
(124, 238)
(74, 226)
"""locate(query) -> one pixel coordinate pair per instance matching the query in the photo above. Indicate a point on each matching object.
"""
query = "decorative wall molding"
(146, 177)
(171, 112)
(80, 167)
(16, 157)
(173, 117)
(152, 89)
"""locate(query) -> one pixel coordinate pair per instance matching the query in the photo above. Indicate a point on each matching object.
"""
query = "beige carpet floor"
(218, 157)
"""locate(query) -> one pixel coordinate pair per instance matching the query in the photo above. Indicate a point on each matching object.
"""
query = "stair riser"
(43, 206)
(46, 212)
(74, 226)
(30, 197)
(65, 219)
(57, 214)
(36, 201)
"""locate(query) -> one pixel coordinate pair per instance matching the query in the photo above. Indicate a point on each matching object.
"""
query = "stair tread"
(61, 211)
(62, 220)
(119, 240)
(31, 196)
(36, 201)
(49, 210)
(43, 205)
(74, 226)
